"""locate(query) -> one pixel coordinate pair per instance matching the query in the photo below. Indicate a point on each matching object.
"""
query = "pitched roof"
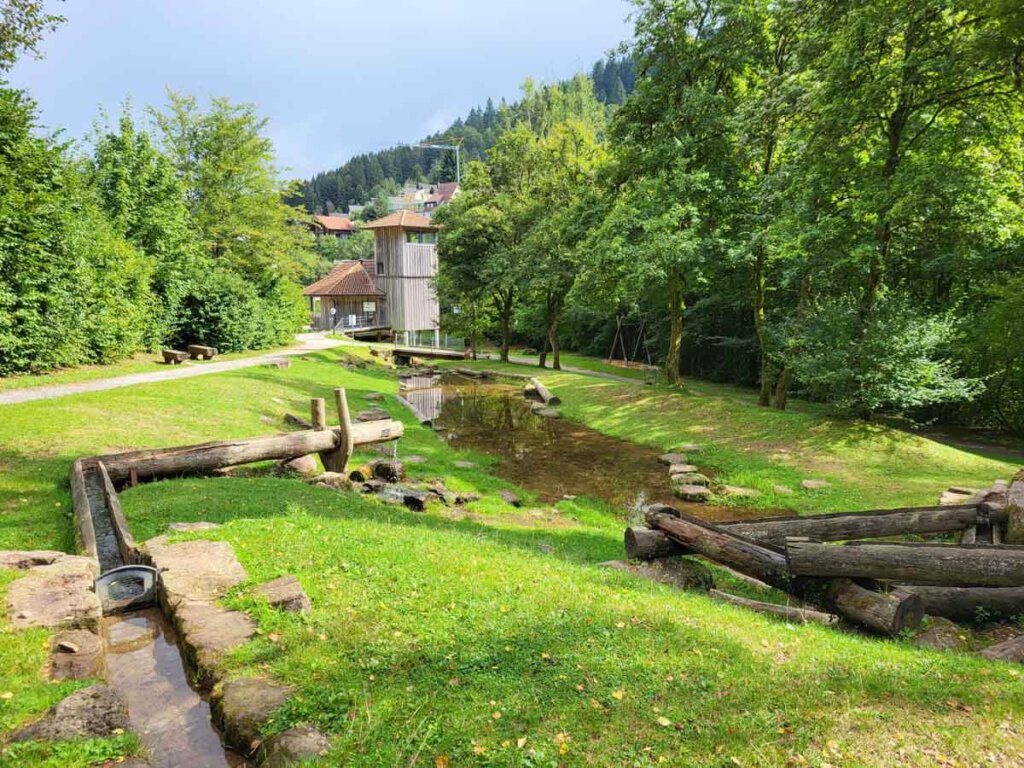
(348, 278)
(336, 223)
(406, 219)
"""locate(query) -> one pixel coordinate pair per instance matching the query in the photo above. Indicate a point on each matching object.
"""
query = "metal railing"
(361, 322)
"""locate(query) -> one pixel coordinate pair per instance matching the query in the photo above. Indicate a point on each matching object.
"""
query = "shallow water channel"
(552, 457)
(173, 721)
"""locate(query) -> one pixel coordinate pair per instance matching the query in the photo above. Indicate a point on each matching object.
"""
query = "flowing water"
(551, 457)
(173, 721)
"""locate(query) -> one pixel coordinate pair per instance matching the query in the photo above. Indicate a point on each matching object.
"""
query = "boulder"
(300, 743)
(92, 712)
(672, 458)
(56, 595)
(941, 635)
(200, 525)
(76, 654)
(194, 570)
(695, 493)
(814, 485)
(510, 498)
(242, 708)
(335, 480)
(286, 594)
(307, 466)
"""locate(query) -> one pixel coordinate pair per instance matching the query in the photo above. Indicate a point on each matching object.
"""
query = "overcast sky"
(335, 78)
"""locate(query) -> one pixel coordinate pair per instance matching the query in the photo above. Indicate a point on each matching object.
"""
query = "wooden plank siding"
(406, 272)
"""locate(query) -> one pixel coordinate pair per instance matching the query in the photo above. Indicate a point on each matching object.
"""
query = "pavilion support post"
(337, 460)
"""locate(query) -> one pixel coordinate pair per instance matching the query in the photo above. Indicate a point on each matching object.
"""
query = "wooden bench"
(199, 352)
(174, 356)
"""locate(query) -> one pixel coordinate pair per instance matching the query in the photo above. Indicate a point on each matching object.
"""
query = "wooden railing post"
(318, 413)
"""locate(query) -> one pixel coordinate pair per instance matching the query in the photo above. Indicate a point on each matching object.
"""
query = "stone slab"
(242, 708)
(77, 654)
(92, 712)
(194, 570)
(208, 631)
(303, 742)
(285, 593)
(54, 599)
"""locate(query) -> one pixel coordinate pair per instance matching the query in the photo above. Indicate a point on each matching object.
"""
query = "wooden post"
(337, 460)
(318, 413)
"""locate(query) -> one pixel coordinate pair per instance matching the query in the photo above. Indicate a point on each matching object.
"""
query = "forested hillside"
(368, 176)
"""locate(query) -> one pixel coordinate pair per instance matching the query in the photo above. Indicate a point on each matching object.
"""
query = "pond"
(551, 457)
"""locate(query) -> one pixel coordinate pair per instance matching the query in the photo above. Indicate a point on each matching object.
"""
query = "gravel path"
(307, 342)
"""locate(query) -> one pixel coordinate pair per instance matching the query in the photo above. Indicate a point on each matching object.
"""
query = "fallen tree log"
(207, 457)
(889, 613)
(885, 613)
(544, 393)
(648, 544)
(969, 603)
(790, 613)
(966, 565)
(1008, 650)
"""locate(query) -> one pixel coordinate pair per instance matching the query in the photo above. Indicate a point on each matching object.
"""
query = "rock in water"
(285, 593)
(92, 712)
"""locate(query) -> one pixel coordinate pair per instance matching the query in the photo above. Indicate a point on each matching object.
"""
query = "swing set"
(639, 340)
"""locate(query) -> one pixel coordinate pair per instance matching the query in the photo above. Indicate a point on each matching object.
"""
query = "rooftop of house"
(405, 220)
(443, 192)
(336, 223)
(347, 278)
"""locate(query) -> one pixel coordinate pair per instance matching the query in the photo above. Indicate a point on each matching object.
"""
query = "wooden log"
(337, 459)
(647, 544)
(845, 526)
(966, 565)
(1015, 510)
(544, 393)
(205, 458)
(1008, 650)
(880, 612)
(788, 612)
(85, 533)
(760, 561)
(318, 413)
(888, 614)
(969, 603)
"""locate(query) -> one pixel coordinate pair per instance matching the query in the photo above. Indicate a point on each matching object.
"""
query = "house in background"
(405, 258)
(348, 298)
(443, 193)
(420, 197)
(333, 226)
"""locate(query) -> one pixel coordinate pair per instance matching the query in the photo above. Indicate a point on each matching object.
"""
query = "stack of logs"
(885, 586)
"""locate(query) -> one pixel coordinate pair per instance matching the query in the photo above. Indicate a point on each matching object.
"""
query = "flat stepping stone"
(782, 490)
(738, 490)
(201, 525)
(207, 632)
(285, 594)
(303, 742)
(690, 478)
(195, 570)
(93, 712)
(696, 493)
(814, 485)
(76, 654)
(23, 560)
(672, 458)
(682, 469)
(373, 414)
(242, 708)
(55, 598)
(461, 464)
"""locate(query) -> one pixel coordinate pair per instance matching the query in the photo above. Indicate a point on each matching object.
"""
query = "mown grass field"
(495, 638)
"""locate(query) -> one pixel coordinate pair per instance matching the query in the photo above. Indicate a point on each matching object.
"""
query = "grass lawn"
(496, 639)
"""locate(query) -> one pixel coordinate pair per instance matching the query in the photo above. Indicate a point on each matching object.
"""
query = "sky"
(335, 78)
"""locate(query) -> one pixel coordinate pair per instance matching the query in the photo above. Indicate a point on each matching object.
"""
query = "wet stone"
(300, 743)
(243, 707)
(92, 712)
(286, 594)
(76, 654)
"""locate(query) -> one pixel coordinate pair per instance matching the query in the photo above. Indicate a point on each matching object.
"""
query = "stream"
(551, 457)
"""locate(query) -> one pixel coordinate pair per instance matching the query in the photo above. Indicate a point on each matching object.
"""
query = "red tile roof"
(405, 219)
(348, 278)
(336, 223)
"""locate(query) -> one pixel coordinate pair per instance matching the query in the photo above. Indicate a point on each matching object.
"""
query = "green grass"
(424, 627)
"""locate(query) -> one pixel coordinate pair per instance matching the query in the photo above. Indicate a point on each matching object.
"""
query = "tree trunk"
(648, 544)
(542, 361)
(1009, 650)
(556, 349)
(963, 565)
(675, 336)
(767, 370)
(782, 385)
